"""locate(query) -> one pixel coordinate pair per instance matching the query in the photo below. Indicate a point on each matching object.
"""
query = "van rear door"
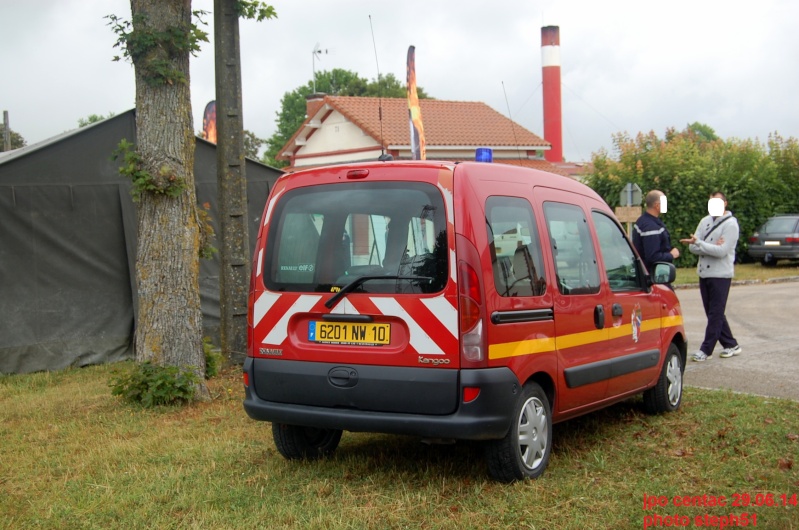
(355, 276)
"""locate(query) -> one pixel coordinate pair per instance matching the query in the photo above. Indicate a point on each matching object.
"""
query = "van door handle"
(617, 311)
(599, 316)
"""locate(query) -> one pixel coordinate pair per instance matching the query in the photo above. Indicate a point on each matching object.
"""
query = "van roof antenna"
(383, 155)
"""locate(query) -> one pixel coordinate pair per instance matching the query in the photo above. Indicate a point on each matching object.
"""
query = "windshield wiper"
(354, 284)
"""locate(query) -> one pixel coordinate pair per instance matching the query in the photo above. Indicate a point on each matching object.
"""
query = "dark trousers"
(714, 293)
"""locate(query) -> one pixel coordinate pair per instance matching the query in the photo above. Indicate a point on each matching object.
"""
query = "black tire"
(304, 443)
(524, 451)
(666, 396)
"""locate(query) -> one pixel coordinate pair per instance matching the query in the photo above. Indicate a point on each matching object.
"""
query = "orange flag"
(414, 110)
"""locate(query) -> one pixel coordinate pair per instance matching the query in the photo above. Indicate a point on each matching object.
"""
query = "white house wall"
(359, 156)
(336, 134)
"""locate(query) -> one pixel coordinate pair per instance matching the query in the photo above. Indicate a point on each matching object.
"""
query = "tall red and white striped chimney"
(550, 62)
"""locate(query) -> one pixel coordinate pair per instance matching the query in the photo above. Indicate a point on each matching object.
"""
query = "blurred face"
(663, 204)
(716, 206)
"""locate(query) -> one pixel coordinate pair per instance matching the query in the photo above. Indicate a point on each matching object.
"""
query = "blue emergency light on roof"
(484, 154)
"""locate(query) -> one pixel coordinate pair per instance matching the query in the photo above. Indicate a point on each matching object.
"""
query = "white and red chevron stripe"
(432, 323)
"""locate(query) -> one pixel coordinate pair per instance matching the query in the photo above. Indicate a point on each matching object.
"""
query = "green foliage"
(213, 358)
(336, 82)
(154, 52)
(254, 9)
(207, 232)
(93, 118)
(784, 154)
(165, 183)
(388, 86)
(151, 385)
(691, 164)
(17, 140)
(252, 144)
(703, 132)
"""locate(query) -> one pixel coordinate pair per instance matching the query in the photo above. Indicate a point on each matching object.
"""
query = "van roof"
(474, 170)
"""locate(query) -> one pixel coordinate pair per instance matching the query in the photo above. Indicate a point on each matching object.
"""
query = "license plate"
(772, 243)
(349, 333)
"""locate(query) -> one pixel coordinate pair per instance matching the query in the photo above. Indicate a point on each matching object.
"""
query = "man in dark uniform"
(650, 237)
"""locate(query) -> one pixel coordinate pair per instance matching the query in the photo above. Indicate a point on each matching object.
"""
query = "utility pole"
(234, 277)
(6, 132)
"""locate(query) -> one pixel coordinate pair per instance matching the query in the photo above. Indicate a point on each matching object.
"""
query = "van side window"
(617, 255)
(572, 249)
(515, 247)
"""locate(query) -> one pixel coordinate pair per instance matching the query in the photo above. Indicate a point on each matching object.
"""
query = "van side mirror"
(664, 272)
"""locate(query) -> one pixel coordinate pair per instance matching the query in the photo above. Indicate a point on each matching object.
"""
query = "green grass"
(73, 456)
(746, 272)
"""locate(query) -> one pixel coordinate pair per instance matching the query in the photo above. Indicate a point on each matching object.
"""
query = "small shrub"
(213, 358)
(151, 385)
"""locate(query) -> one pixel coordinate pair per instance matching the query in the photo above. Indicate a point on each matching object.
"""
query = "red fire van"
(457, 301)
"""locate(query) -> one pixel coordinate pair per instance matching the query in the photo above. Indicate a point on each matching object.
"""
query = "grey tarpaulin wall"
(68, 243)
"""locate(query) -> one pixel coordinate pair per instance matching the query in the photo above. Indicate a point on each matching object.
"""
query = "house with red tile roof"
(344, 129)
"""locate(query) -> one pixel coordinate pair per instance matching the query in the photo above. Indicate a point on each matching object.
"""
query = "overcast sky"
(627, 65)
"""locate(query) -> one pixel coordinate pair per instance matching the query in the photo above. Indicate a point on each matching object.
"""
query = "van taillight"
(470, 302)
(469, 297)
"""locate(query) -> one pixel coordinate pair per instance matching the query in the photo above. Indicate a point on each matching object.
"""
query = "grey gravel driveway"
(764, 317)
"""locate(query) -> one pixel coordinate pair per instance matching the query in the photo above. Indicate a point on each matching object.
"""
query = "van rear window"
(326, 236)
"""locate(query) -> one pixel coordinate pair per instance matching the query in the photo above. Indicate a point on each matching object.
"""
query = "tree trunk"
(169, 330)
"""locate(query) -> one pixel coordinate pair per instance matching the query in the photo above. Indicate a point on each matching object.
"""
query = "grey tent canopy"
(68, 245)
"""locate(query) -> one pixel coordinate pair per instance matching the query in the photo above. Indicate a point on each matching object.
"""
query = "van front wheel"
(304, 443)
(524, 451)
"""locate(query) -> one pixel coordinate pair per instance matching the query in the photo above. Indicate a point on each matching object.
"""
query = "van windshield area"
(323, 238)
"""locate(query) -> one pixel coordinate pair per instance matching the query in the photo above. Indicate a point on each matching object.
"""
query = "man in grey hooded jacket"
(714, 242)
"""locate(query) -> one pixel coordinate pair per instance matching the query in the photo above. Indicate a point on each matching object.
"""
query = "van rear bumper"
(487, 417)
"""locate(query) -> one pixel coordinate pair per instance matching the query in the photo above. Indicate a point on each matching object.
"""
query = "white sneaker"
(730, 352)
(701, 356)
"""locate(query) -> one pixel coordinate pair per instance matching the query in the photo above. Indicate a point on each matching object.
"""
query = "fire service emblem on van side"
(636, 322)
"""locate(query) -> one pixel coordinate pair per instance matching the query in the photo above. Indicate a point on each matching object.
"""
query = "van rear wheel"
(524, 451)
(304, 443)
